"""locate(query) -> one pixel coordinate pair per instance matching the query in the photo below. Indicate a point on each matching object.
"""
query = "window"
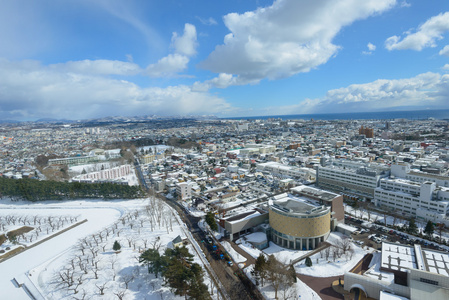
(425, 280)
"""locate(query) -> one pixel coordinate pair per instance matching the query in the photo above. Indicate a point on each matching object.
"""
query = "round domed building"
(298, 223)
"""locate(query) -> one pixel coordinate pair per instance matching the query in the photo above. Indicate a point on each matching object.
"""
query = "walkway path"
(249, 259)
(322, 286)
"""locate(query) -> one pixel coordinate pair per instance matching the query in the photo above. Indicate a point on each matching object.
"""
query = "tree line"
(35, 190)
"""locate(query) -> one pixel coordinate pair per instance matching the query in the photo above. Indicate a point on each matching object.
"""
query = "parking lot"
(374, 235)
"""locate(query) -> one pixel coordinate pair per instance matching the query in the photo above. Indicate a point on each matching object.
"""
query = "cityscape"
(260, 149)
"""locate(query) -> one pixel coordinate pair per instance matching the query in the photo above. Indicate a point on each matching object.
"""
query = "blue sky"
(86, 59)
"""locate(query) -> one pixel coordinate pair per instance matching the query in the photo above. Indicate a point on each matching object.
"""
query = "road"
(235, 287)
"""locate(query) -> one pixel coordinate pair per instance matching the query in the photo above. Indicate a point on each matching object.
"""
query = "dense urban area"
(207, 208)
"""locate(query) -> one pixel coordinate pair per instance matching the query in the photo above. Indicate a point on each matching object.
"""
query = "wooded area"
(35, 190)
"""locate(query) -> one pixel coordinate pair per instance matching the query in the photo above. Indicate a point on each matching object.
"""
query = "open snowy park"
(80, 263)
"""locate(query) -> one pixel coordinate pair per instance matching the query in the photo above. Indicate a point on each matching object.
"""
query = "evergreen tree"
(260, 268)
(210, 220)
(292, 272)
(153, 260)
(412, 228)
(308, 261)
(183, 276)
(429, 228)
(116, 247)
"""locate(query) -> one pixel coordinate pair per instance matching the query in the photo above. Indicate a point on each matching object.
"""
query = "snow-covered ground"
(322, 267)
(282, 254)
(237, 257)
(33, 257)
(127, 222)
(298, 290)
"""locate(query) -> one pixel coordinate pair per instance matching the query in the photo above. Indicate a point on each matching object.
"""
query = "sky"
(82, 59)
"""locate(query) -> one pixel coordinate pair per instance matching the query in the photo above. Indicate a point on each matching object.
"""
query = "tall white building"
(184, 190)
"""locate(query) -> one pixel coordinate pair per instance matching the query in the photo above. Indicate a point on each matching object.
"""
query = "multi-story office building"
(354, 180)
(412, 198)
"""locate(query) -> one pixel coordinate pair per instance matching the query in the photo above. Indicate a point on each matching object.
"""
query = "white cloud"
(209, 21)
(371, 47)
(427, 89)
(31, 90)
(426, 35)
(185, 44)
(445, 67)
(99, 67)
(222, 81)
(168, 66)
(445, 51)
(405, 4)
(287, 38)
(184, 47)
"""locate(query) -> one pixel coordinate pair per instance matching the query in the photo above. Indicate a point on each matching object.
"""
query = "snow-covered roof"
(256, 237)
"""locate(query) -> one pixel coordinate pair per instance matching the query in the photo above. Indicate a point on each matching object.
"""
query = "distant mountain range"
(112, 119)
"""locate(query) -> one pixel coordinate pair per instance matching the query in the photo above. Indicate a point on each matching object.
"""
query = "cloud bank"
(426, 35)
(427, 89)
(31, 91)
(289, 37)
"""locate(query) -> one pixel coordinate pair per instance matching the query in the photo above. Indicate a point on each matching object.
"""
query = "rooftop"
(401, 257)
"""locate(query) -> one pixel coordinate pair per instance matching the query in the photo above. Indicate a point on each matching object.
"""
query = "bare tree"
(126, 279)
(120, 294)
(344, 244)
(156, 244)
(82, 296)
(277, 275)
(66, 277)
(130, 240)
(327, 253)
(112, 260)
(77, 283)
(101, 287)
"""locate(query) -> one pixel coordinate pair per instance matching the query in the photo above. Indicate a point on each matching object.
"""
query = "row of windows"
(429, 281)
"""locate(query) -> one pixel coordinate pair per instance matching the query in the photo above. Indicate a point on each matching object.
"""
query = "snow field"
(94, 265)
(41, 227)
(135, 224)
